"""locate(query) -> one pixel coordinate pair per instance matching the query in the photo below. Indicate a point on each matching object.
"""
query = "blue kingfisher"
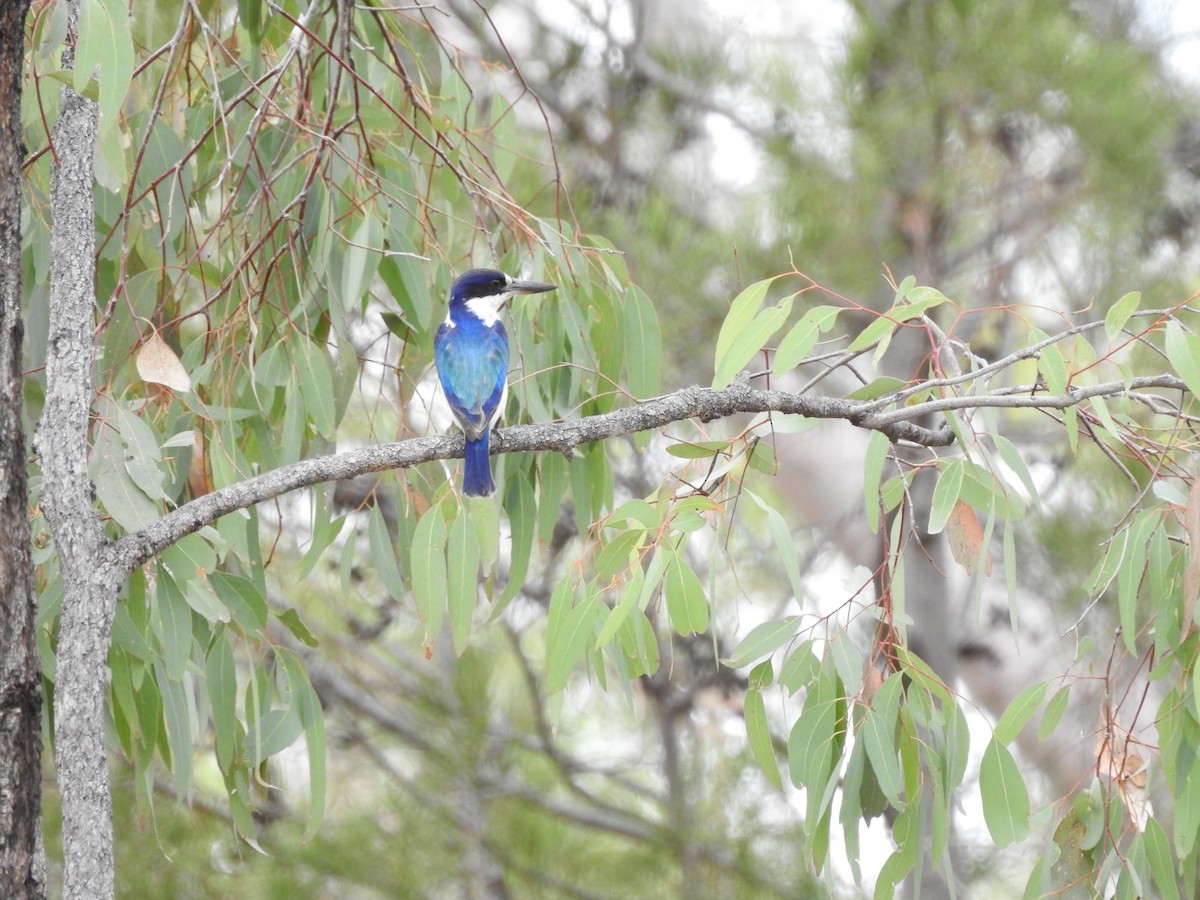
(470, 351)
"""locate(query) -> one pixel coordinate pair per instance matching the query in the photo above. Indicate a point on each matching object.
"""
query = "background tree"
(22, 864)
(280, 200)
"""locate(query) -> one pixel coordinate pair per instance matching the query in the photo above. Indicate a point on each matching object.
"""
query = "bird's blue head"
(483, 293)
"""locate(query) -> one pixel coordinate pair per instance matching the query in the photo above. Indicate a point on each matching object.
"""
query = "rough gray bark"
(68, 500)
(22, 862)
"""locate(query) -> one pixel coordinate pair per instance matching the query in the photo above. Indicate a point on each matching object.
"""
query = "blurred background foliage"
(290, 224)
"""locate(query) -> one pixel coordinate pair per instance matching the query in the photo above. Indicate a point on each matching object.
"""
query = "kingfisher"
(470, 351)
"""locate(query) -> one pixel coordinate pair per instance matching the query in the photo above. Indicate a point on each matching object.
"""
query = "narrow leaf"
(383, 554)
(758, 734)
(570, 643)
(750, 341)
(1005, 797)
(686, 604)
(643, 343)
(462, 571)
(762, 640)
(1019, 712)
(945, 494)
(741, 313)
(803, 337)
(428, 562)
(1119, 313)
(1183, 352)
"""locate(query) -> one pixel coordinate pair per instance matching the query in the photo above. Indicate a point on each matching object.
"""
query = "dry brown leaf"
(1124, 760)
(965, 535)
(199, 480)
(872, 682)
(158, 364)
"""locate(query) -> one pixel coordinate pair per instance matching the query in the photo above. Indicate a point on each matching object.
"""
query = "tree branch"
(68, 499)
(705, 404)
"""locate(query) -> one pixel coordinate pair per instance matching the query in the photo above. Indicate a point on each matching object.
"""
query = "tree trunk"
(90, 585)
(22, 862)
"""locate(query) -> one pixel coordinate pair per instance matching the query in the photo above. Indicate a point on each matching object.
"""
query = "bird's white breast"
(487, 309)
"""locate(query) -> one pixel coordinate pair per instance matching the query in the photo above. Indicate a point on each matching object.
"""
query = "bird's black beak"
(530, 287)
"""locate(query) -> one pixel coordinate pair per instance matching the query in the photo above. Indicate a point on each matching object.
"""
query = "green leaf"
(290, 619)
(250, 15)
(1054, 711)
(897, 867)
(143, 460)
(800, 668)
(618, 616)
(878, 734)
(308, 705)
(316, 385)
(570, 643)
(1005, 797)
(686, 604)
(1130, 574)
(1158, 853)
(803, 337)
(886, 323)
(1019, 712)
(698, 449)
(1119, 313)
(946, 494)
(758, 733)
(640, 644)
(741, 313)
(643, 343)
(878, 446)
(243, 600)
(462, 571)
(201, 598)
(398, 326)
(222, 697)
(361, 260)
(1183, 352)
(485, 519)
(881, 386)
(521, 508)
(188, 558)
(618, 553)
(852, 813)
(749, 341)
(172, 621)
(1187, 811)
(383, 553)
(762, 640)
(553, 475)
(810, 745)
(427, 558)
(272, 732)
(177, 717)
(115, 489)
(1012, 458)
(1053, 367)
(104, 40)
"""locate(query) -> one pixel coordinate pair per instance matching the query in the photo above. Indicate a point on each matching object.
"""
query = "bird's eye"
(498, 283)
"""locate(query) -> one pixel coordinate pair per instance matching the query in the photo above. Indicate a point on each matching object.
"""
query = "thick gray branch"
(689, 403)
(705, 404)
(90, 588)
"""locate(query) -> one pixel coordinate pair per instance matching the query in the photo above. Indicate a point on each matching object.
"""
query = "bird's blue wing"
(472, 364)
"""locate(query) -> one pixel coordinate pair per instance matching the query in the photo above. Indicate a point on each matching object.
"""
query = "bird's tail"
(477, 469)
